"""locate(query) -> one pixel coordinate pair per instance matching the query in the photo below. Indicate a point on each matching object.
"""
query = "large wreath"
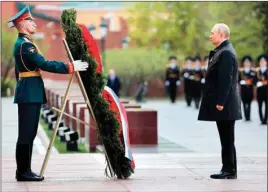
(94, 82)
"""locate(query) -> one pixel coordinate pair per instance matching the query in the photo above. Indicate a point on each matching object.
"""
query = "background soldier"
(204, 68)
(186, 73)
(30, 92)
(172, 78)
(113, 82)
(262, 86)
(196, 84)
(246, 80)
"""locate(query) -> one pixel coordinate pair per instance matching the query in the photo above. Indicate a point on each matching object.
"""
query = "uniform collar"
(23, 35)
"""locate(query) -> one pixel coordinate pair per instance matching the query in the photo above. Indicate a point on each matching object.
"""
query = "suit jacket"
(28, 58)
(221, 86)
(115, 85)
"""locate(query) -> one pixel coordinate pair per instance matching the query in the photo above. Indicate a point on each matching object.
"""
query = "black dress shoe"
(28, 176)
(224, 175)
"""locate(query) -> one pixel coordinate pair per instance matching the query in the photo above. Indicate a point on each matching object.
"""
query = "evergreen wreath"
(108, 126)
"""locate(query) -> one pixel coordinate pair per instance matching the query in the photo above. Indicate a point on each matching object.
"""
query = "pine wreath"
(108, 126)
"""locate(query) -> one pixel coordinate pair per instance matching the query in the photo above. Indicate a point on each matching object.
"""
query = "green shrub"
(7, 86)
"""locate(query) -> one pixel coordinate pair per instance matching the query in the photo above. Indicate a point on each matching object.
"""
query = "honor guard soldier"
(262, 86)
(246, 80)
(204, 68)
(196, 84)
(186, 74)
(172, 78)
(30, 92)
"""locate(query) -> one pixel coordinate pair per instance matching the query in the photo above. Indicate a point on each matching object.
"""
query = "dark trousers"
(197, 102)
(263, 116)
(247, 109)
(228, 152)
(188, 99)
(172, 92)
(28, 125)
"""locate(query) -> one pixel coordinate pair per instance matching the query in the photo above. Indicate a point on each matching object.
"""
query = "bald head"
(219, 33)
(223, 29)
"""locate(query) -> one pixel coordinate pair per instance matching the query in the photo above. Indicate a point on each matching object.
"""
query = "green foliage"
(186, 25)
(7, 84)
(107, 125)
(261, 9)
(136, 65)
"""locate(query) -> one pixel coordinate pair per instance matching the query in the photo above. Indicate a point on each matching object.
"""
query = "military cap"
(188, 58)
(197, 58)
(172, 57)
(247, 57)
(24, 14)
(263, 56)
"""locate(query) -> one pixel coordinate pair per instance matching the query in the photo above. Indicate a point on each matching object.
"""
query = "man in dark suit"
(113, 82)
(221, 101)
(30, 91)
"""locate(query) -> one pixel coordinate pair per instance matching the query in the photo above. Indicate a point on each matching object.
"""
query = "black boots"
(23, 159)
(224, 175)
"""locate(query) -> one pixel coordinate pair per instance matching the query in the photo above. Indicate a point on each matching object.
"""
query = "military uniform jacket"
(28, 58)
(249, 79)
(221, 86)
(187, 79)
(172, 74)
(196, 83)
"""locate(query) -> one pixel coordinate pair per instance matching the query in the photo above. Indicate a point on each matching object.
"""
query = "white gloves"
(203, 80)
(178, 83)
(186, 75)
(242, 82)
(167, 83)
(191, 77)
(80, 66)
(259, 84)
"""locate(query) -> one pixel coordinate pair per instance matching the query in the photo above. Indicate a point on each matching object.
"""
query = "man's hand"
(219, 107)
(80, 66)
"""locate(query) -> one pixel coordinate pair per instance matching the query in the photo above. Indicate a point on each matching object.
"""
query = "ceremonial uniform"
(196, 83)
(262, 86)
(172, 81)
(172, 78)
(246, 80)
(187, 74)
(30, 93)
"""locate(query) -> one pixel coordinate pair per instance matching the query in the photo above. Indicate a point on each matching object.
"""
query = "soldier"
(30, 92)
(246, 80)
(196, 83)
(262, 86)
(113, 81)
(204, 69)
(186, 73)
(172, 78)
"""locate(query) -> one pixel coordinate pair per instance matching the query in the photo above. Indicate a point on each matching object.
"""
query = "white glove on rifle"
(167, 83)
(242, 82)
(259, 84)
(203, 80)
(178, 83)
(186, 75)
(80, 65)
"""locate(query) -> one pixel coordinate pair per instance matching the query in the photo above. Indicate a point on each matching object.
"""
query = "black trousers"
(228, 152)
(172, 92)
(188, 99)
(263, 115)
(247, 109)
(28, 125)
(197, 102)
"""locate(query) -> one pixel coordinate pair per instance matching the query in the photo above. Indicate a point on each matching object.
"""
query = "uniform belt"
(30, 74)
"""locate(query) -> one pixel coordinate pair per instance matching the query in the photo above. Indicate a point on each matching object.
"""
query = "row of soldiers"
(193, 76)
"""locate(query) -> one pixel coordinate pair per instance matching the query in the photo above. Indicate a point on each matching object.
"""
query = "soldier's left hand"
(178, 83)
(219, 107)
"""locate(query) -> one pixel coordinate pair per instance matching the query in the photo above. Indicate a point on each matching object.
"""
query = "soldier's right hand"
(242, 82)
(80, 65)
